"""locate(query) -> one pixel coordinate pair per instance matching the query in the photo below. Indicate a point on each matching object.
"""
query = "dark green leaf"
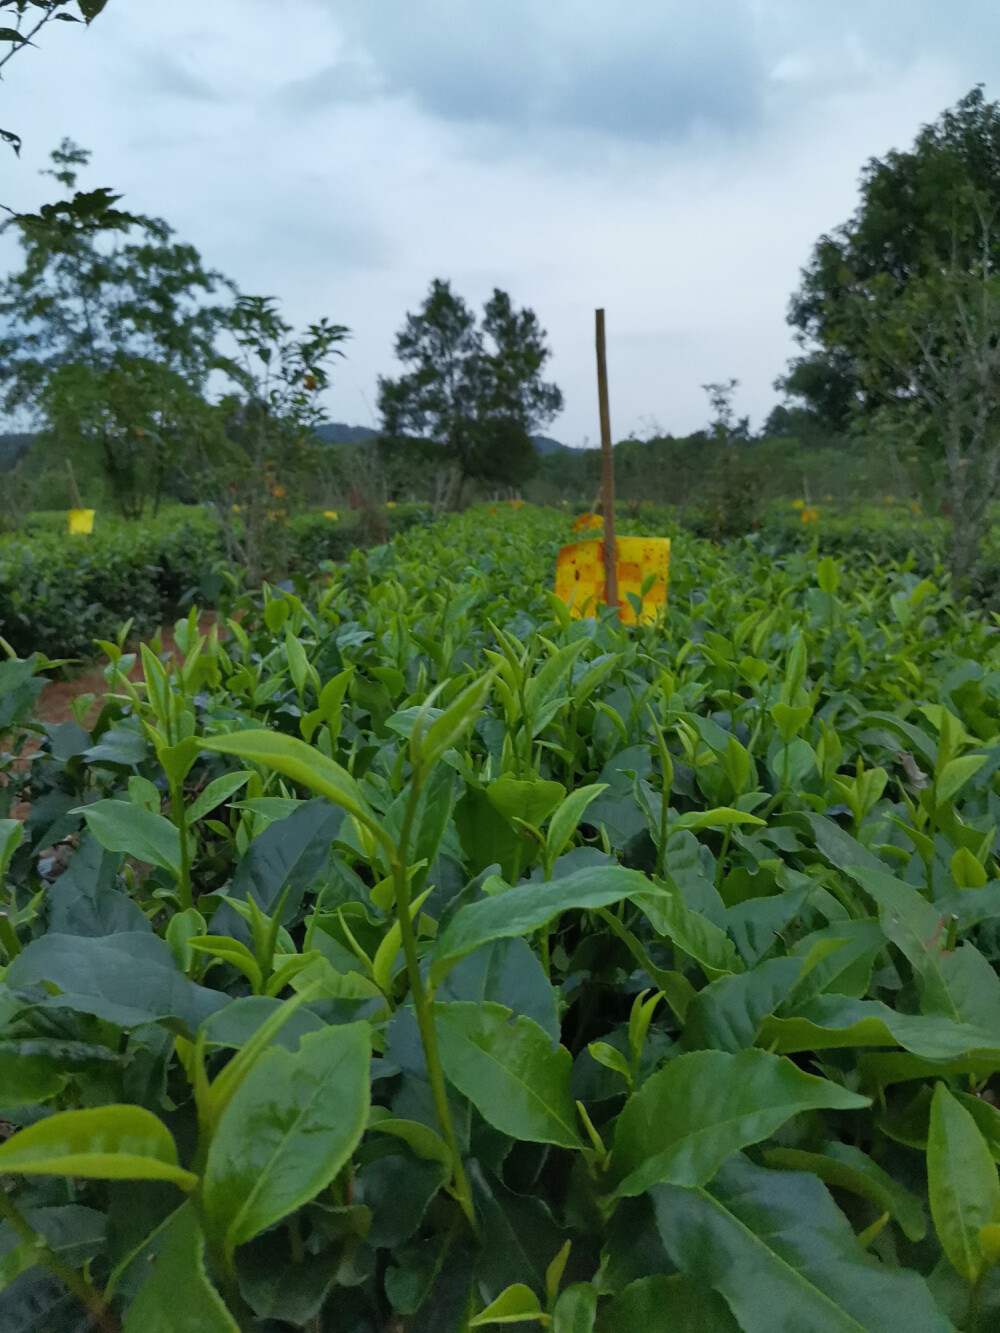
(700, 1108)
(290, 1127)
(129, 979)
(508, 1069)
(962, 1183)
(520, 910)
(777, 1248)
(658, 1304)
(122, 827)
(178, 1294)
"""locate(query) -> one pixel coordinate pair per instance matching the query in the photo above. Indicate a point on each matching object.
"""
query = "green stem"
(73, 1281)
(543, 950)
(975, 1318)
(721, 864)
(179, 812)
(8, 937)
(423, 1007)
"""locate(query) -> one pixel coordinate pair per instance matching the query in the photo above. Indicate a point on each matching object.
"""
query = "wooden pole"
(75, 502)
(607, 470)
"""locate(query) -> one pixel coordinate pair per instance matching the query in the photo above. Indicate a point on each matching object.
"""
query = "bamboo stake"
(75, 500)
(607, 470)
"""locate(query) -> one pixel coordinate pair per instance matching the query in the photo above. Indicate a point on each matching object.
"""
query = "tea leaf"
(122, 827)
(178, 1294)
(693, 1114)
(776, 1247)
(507, 1068)
(962, 1183)
(106, 1143)
(289, 1128)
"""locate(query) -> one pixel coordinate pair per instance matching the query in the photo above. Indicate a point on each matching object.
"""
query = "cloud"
(673, 162)
(346, 81)
(653, 71)
(160, 74)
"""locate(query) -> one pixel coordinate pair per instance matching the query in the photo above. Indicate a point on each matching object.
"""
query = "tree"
(109, 333)
(476, 389)
(898, 312)
(917, 215)
(263, 443)
(20, 23)
(724, 427)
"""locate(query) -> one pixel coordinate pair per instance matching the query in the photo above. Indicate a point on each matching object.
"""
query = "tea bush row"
(427, 959)
(59, 593)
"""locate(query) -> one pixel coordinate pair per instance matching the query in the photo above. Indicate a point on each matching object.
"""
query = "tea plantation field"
(431, 961)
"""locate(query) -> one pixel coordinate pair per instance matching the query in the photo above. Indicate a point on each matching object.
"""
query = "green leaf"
(966, 871)
(107, 1143)
(722, 816)
(727, 1015)
(427, 746)
(700, 1108)
(11, 833)
(827, 575)
(567, 817)
(850, 1169)
(708, 944)
(958, 983)
(215, 794)
(515, 1305)
(831, 1021)
(28, 1078)
(120, 826)
(659, 1304)
(231, 951)
(789, 720)
(425, 1142)
(530, 802)
(298, 662)
(128, 979)
(290, 1127)
(962, 1183)
(507, 1068)
(576, 1309)
(955, 774)
(300, 762)
(384, 962)
(15, 1262)
(178, 1295)
(521, 910)
(73, 1233)
(782, 1254)
(611, 1058)
(292, 853)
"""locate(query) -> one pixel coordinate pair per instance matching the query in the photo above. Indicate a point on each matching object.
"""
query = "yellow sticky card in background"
(580, 576)
(81, 521)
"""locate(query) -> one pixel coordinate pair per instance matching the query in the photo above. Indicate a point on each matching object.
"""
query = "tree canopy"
(898, 312)
(109, 332)
(473, 387)
(920, 212)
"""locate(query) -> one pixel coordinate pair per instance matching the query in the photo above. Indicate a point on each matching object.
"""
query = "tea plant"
(431, 960)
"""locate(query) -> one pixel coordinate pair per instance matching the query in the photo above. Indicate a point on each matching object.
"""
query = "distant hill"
(13, 447)
(336, 432)
(546, 446)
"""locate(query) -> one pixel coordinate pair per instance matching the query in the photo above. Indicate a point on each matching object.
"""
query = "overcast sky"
(673, 162)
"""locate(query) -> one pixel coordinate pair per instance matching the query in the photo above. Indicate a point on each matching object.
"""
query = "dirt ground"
(55, 703)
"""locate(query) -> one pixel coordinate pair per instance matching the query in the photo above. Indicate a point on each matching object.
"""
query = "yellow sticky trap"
(81, 521)
(580, 576)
